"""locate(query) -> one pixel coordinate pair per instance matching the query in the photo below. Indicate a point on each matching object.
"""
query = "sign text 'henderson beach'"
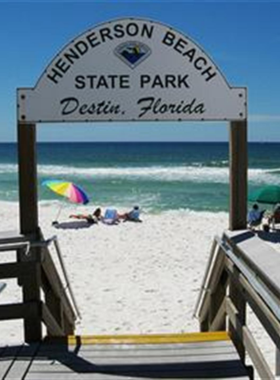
(131, 70)
(118, 31)
(163, 81)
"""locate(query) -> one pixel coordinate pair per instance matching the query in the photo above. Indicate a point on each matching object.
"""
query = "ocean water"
(155, 176)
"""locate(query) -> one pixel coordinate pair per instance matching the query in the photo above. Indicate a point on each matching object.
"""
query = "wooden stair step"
(119, 357)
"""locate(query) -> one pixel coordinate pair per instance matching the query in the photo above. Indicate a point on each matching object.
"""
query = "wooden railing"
(242, 271)
(45, 296)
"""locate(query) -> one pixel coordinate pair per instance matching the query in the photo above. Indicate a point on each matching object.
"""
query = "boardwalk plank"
(22, 362)
(67, 359)
(90, 376)
(184, 371)
(193, 363)
(127, 347)
(7, 358)
(134, 351)
(213, 359)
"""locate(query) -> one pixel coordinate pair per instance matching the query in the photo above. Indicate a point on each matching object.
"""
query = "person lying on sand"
(131, 216)
(93, 218)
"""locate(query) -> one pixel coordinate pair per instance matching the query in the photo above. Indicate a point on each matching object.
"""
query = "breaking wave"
(196, 173)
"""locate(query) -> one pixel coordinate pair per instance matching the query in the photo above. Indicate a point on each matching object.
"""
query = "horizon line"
(142, 142)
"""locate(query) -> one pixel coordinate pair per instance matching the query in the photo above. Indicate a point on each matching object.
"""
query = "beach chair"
(111, 216)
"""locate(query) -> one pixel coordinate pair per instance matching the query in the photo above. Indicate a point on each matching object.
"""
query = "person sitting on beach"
(255, 216)
(132, 216)
(275, 216)
(93, 218)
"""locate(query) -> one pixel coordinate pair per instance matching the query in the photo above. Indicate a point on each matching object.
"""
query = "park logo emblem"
(132, 53)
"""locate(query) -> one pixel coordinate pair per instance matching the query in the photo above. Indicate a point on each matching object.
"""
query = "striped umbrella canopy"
(69, 190)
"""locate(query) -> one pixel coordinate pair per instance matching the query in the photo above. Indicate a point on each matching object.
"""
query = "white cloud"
(264, 118)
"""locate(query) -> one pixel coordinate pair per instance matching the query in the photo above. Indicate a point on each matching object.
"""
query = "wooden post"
(27, 178)
(28, 209)
(238, 175)
(31, 284)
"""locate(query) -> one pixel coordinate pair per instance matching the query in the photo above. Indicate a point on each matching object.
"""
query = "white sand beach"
(131, 278)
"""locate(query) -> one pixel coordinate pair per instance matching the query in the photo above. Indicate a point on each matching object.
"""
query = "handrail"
(54, 240)
(68, 285)
(204, 288)
(252, 261)
(36, 274)
(259, 287)
(238, 283)
(4, 247)
(250, 344)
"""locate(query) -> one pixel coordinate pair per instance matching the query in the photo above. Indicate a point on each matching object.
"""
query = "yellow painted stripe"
(142, 339)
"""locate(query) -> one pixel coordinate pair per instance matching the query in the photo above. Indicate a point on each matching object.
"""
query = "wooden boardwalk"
(189, 356)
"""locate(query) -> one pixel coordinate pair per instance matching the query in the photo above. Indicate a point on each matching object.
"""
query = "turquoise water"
(157, 176)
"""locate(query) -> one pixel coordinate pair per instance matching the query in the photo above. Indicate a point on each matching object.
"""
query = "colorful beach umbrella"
(269, 194)
(67, 189)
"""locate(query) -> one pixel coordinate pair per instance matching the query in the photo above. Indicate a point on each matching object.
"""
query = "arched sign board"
(131, 69)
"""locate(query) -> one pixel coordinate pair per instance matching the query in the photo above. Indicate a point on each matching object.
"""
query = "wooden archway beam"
(238, 175)
(27, 165)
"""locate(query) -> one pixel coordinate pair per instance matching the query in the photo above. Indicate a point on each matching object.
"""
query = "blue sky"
(242, 38)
